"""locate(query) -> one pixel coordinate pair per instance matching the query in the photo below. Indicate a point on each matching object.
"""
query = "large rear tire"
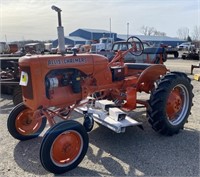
(170, 103)
(176, 54)
(21, 124)
(63, 147)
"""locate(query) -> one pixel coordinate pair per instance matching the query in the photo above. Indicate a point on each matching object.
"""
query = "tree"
(151, 31)
(183, 33)
(147, 31)
(189, 39)
(159, 33)
(196, 33)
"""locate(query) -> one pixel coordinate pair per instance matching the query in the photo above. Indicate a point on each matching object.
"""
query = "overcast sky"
(34, 19)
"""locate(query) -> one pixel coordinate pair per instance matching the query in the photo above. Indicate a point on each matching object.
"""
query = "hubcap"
(26, 124)
(177, 104)
(66, 148)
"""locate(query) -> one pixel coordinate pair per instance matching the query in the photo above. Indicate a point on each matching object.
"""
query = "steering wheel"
(136, 44)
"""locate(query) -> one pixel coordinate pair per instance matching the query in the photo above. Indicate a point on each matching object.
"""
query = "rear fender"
(148, 77)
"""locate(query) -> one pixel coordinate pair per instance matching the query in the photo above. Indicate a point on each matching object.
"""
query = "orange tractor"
(56, 85)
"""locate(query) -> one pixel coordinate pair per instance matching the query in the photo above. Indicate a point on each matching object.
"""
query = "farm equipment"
(8, 48)
(192, 54)
(156, 55)
(10, 77)
(170, 50)
(56, 85)
(194, 66)
(35, 48)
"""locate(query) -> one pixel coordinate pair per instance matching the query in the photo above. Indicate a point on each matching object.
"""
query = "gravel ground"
(133, 153)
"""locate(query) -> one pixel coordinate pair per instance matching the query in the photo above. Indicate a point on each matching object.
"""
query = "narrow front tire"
(63, 147)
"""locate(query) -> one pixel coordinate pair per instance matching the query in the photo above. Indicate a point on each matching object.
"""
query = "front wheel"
(63, 147)
(22, 125)
(170, 103)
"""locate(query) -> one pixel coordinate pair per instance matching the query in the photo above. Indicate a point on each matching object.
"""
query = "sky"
(35, 20)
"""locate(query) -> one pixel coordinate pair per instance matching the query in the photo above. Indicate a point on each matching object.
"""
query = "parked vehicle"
(170, 50)
(77, 47)
(191, 55)
(105, 44)
(8, 48)
(48, 47)
(149, 54)
(185, 45)
(87, 46)
(34, 48)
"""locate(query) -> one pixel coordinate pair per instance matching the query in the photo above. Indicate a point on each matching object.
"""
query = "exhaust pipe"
(60, 31)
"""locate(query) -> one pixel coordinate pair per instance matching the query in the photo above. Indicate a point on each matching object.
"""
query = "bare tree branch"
(183, 33)
(151, 31)
(196, 33)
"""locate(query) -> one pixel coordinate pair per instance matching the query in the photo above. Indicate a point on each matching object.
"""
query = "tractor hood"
(43, 75)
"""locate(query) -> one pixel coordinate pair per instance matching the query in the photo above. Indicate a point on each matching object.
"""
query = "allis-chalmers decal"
(66, 61)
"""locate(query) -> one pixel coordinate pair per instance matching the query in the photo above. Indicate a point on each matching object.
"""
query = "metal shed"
(80, 36)
(72, 40)
(157, 40)
(93, 34)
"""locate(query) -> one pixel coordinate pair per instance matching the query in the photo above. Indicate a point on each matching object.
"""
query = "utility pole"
(127, 30)
(110, 28)
(5, 38)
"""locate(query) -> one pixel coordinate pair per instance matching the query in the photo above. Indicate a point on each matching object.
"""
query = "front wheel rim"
(25, 123)
(177, 104)
(66, 148)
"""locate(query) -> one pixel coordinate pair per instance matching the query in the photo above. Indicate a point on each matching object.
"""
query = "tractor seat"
(137, 66)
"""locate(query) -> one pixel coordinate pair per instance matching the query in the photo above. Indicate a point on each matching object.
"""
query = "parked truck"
(34, 48)
(105, 44)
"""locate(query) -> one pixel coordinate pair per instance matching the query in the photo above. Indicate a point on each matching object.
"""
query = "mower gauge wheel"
(137, 45)
(88, 122)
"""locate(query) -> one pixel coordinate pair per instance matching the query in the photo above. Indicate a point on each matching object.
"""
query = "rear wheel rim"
(177, 104)
(25, 123)
(66, 148)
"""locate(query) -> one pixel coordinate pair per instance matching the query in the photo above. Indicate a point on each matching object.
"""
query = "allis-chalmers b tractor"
(56, 85)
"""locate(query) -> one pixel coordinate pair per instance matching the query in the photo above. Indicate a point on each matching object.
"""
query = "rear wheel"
(63, 147)
(170, 103)
(176, 54)
(21, 124)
